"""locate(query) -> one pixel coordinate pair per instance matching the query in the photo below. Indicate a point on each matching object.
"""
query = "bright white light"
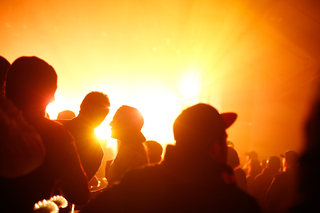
(190, 84)
(159, 107)
(59, 105)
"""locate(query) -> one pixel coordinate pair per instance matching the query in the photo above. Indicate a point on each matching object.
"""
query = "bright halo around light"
(158, 106)
(103, 133)
(190, 85)
(59, 105)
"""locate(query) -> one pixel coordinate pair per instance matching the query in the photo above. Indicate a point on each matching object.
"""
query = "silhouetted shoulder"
(151, 189)
(53, 128)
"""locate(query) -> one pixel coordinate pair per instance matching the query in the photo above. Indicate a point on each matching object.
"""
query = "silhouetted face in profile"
(126, 121)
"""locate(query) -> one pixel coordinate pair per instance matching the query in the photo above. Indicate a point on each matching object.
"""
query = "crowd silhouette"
(201, 172)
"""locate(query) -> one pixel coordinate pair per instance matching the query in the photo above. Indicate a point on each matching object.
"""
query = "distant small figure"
(263, 164)
(249, 155)
(126, 128)
(262, 182)
(234, 162)
(66, 115)
(254, 169)
(283, 186)
(155, 150)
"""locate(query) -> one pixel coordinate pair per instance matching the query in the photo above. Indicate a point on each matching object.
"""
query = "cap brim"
(229, 118)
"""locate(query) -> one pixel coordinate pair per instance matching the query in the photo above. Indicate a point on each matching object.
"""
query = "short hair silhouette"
(66, 114)
(291, 157)
(154, 151)
(94, 108)
(274, 163)
(94, 100)
(31, 82)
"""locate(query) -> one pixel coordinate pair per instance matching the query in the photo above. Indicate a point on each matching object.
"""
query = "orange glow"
(159, 107)
(190, 84)
(257, 58)
(59, 105)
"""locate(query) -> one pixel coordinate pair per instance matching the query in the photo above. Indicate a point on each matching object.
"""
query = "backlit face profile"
(117, 126)
(126, 121)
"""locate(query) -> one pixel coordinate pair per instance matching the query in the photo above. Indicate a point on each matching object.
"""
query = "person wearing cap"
(282, 189)
(193, 176)
(126, 127)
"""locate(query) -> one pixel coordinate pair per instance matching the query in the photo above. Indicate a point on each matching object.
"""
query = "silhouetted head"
(199, 127)
(127, 122)
(252, 155)
(66, 114)
(4, 65)
(154, 151)
(254, 167)
(95, 107)
(291, 159)
(274, 163)
(233, 158)
(31, 83)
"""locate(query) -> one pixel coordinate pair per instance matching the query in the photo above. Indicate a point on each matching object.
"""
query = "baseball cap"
(201, 123)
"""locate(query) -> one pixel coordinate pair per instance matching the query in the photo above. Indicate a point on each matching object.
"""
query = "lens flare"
(59, 105)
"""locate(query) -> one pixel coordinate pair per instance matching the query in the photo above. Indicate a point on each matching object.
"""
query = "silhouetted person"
(249, 155)
(234, 162)
(155, 150)
(93, 110)
(282, 189)
(66, 115)
(193, 177)
(22, 150)
(309, 170)
(31, 84)
(262, 182)
(126, 127)
(263, 164)
(4, 65)
(254, 169)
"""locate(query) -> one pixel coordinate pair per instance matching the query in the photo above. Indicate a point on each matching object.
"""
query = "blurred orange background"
(259, 59)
